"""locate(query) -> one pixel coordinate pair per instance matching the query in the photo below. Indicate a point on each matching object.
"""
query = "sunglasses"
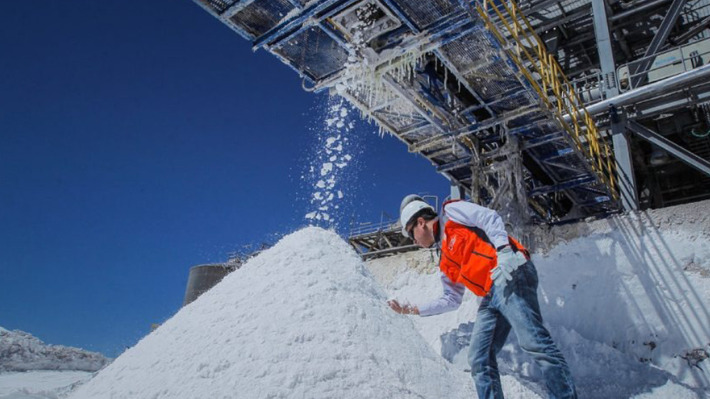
(410, 231)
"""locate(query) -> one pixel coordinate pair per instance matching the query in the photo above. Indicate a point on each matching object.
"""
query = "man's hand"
(508, 262)
(402, 309)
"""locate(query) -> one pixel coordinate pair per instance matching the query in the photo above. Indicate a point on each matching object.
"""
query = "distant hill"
(21, 351)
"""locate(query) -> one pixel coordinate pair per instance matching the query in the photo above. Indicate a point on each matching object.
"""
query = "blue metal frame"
(296, 25)
(541, 142)
(231, 26)
(566, 185)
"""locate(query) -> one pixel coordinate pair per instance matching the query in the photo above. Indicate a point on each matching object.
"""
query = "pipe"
(635, 10)
(685, 79)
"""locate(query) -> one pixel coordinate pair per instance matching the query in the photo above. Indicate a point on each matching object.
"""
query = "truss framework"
(460, 81)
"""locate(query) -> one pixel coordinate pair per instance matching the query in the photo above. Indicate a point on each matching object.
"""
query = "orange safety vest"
(467, 256)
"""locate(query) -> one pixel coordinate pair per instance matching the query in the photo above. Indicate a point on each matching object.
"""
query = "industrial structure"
(204, 277)
(547, 110)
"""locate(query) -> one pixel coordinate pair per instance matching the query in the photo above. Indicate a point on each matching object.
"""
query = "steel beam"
(636, 9)
(432, 41)
(448, 64)
(622, 149)
(624, 164)
(413, 102)
(559, 165)
(693, 31)
(681, 153)
(561, 20)
(472, 129)
(638, 75)
(287, 29)
(225, 21)
(566, 185)
(542, 140)
(606, 53)
(460, 163)
(234, 9)
(414, 128)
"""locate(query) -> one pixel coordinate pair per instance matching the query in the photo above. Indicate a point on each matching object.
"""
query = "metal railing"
(589, 88)
(387, 223)
(664, 65)
(369, 228)
(543, 72)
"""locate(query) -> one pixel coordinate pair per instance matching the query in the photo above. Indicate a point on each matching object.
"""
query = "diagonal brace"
(658, 40)
(681, 153)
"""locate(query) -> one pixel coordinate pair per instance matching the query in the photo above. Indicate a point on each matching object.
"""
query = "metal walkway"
(468, 85)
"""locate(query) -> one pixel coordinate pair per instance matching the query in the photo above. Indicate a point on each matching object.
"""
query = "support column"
(622, 150)
(624, 163)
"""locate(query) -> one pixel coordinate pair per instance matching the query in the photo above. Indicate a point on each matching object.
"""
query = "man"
(478, 254)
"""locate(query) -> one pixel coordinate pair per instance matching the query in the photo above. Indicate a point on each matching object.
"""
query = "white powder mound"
(303, 319)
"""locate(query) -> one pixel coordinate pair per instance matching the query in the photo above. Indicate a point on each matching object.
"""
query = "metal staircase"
(546, 77)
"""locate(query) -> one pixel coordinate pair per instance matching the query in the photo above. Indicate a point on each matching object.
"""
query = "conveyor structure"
(495, 93)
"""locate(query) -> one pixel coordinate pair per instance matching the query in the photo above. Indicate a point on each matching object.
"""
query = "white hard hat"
(410, 205)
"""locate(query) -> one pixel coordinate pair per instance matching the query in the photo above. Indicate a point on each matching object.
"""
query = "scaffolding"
(513, 100)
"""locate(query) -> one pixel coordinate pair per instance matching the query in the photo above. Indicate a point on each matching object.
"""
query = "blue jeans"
(516, 308)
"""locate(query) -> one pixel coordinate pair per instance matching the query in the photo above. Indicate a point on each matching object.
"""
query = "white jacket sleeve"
(450, 299)
(472, 215)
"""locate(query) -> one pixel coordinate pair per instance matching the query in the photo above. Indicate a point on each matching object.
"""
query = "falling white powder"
(326, 168)
(330, 160)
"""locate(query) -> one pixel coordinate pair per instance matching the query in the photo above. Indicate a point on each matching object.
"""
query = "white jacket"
(472, 215)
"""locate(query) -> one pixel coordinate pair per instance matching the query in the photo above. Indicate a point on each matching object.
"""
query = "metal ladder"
(524, 47)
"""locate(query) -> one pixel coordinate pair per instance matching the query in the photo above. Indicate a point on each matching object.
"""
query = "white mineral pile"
(304, 319)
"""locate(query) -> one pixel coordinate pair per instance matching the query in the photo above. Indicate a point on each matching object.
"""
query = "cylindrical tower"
(204, 277)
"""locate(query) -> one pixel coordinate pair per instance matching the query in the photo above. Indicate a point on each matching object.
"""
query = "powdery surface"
(40, 384)
(638, 283)
(303, 319)
(625, 299)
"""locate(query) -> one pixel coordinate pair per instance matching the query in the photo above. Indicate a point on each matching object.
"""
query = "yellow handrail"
(554, 89)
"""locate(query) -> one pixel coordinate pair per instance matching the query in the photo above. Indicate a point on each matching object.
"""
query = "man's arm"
(450, 299)
(472, 215)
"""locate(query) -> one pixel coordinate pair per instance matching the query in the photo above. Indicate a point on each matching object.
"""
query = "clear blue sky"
(140, 138)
